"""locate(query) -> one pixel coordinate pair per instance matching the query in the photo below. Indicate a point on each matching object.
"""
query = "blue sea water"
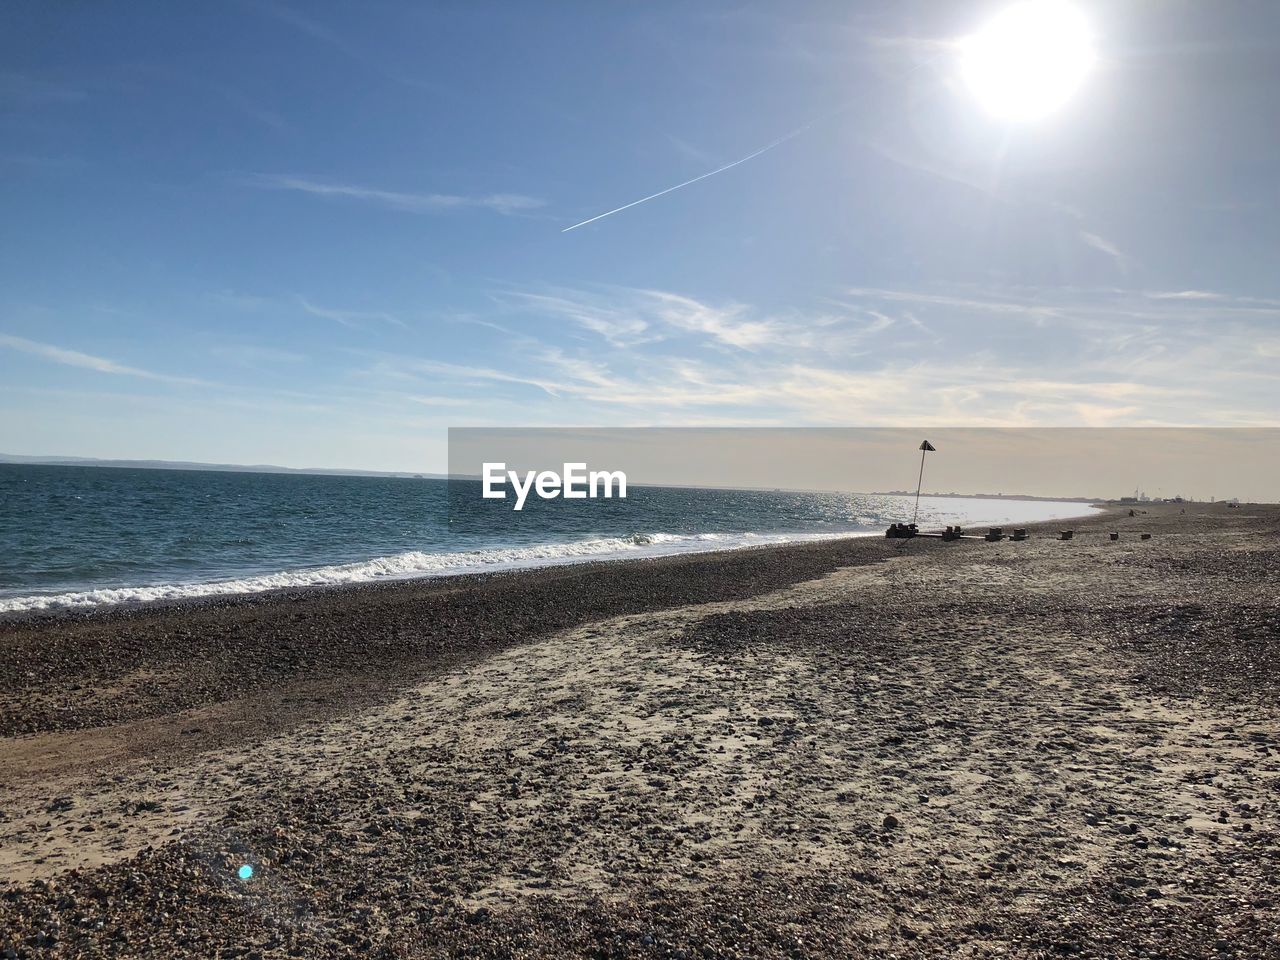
(74, 536)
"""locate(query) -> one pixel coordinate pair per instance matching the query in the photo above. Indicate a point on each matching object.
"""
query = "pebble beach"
(853, 748)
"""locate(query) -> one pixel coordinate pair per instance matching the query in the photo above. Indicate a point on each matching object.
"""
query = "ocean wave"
(934, 512)
(413, 564)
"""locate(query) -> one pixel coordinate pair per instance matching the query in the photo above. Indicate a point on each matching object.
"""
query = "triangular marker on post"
(925, 447)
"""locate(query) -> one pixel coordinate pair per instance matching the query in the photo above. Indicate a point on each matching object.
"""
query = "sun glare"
(1029, 60)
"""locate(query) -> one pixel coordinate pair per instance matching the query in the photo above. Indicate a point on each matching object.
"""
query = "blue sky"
(320, 234)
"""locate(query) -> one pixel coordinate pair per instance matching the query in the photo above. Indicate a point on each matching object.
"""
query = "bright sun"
(1028, 61)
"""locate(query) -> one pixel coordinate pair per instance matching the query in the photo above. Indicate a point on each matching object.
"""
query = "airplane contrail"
(750, 156)
(728, 166)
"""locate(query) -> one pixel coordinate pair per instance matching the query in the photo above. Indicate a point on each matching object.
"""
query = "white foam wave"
(933, 512)
(416, 564)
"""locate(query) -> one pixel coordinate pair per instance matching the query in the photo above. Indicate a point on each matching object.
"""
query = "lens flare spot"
(245, 872)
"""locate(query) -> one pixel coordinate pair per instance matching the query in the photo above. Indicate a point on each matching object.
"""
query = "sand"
(866, 749)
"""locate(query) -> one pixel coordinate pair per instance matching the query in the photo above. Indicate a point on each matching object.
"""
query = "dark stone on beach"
(890, 822)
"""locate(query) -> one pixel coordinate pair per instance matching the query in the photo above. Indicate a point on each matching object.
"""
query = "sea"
(80, 536)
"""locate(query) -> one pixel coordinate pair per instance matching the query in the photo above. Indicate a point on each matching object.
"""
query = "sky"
(318, 235)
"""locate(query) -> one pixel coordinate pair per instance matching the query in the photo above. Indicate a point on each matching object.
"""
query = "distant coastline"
(196, 466)
(37, 461)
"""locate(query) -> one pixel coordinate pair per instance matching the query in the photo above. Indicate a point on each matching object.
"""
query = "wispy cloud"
(349, 318)
(626, 316)
(504, 203)
(1031, 310)
(475, 375)
(730, 324)
(470, 321)
(252, 355)
(1186, 295)
(1220, 300)
(289, 306)
(1103, 245)
(617, 323)
(434, 401)
(959, 392)
(680, 385)
(978, 357)
(87, 361)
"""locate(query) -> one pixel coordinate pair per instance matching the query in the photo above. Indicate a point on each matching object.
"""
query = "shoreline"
(53, 613)
(405, 627)
(271, 640)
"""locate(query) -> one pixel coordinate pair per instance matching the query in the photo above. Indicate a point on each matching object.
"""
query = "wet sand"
(867, 748)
